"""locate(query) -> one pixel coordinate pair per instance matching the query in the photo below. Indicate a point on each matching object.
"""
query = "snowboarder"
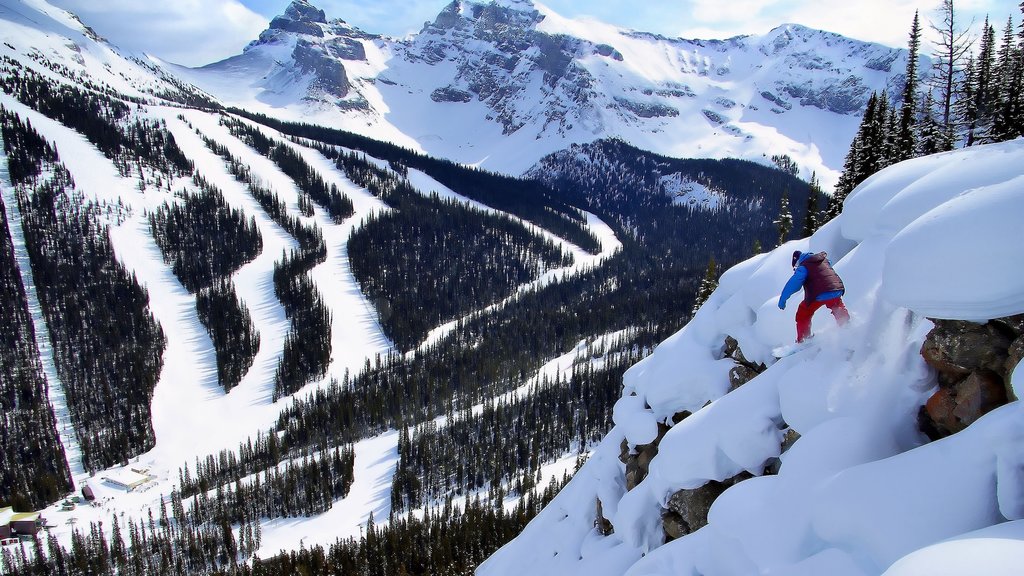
(822, 287)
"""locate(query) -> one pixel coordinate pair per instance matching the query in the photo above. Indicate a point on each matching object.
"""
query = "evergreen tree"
(707, 285)
(1008, 82)
(930, 138)
(906, 139)
(812, 219)
(784, 223)
(978, 97)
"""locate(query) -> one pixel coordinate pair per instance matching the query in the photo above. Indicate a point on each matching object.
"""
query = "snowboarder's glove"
(782, 304)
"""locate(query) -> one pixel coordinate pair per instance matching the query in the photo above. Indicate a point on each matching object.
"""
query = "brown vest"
(821, 277)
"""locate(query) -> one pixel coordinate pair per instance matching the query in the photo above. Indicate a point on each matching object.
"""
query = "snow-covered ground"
(861, 491)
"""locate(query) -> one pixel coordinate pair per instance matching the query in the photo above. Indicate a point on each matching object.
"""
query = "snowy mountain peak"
(303, 11)
(504, 83)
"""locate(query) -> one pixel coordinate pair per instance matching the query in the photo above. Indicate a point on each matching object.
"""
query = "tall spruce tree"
(979, 96)
(905, 141)
(707, 285)
(813, 216)
(784, 223)
(1007, 100)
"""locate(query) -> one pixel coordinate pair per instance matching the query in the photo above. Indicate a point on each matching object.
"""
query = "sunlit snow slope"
(860, 492)
(503, 84)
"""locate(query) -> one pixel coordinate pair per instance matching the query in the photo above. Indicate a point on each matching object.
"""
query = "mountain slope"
(818, 459)
(501, 84)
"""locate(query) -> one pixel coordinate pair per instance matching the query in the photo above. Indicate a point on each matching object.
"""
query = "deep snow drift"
(861, 492)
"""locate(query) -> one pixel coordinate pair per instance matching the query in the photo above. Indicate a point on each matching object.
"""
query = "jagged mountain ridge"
(504, 83)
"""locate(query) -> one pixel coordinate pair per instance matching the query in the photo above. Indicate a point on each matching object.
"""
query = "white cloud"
(884, 21)
(189, 32)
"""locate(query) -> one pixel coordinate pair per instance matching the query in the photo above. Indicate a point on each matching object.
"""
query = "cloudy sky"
(196, 32)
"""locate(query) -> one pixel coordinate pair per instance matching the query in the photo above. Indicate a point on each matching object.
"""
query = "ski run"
(192, 416)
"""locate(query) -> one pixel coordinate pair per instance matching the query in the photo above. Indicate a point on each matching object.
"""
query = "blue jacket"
(796, 282)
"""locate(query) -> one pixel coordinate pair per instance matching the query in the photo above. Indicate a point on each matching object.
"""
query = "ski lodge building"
(17, 523)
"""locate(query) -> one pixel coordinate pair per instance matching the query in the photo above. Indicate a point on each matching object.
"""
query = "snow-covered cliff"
(823, 466)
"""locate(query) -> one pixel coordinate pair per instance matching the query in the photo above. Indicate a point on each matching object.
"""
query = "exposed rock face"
(302, 18)
(305, 12)
(507, 51)
(603, 525)
(745, 370)
(450, 94)
(974, 362)
(688, 509)
(330, 73)
(638, 464)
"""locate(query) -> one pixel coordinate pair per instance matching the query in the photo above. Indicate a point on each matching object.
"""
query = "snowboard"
(790, 349)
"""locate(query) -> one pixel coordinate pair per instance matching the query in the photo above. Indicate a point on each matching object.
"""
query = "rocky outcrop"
(687, 510)
(638, 462)
(603, 525)
(744, 371)
(973, 362)
(301, 18)
(330, 73)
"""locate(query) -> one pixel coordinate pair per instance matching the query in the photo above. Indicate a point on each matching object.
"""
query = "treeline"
(306, 487)
(106, 122)
(428, 261)
(971, 97)
(107, 346)
(338, 206)
(204, 241)
(451, 540)
(529, 200)
(307, 348)
(447, 542)
(33, 467)
(202, 238)
(502, 449)
(229, 324)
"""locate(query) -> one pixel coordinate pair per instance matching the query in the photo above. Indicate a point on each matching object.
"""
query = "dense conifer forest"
(230, 326)
(312, 185)
(307, 349)
(431, 260)
(33, 469)
(104, 120)
(503, 448)
(204, 241)
(108, 348)
(202, 238)
(449, 540)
